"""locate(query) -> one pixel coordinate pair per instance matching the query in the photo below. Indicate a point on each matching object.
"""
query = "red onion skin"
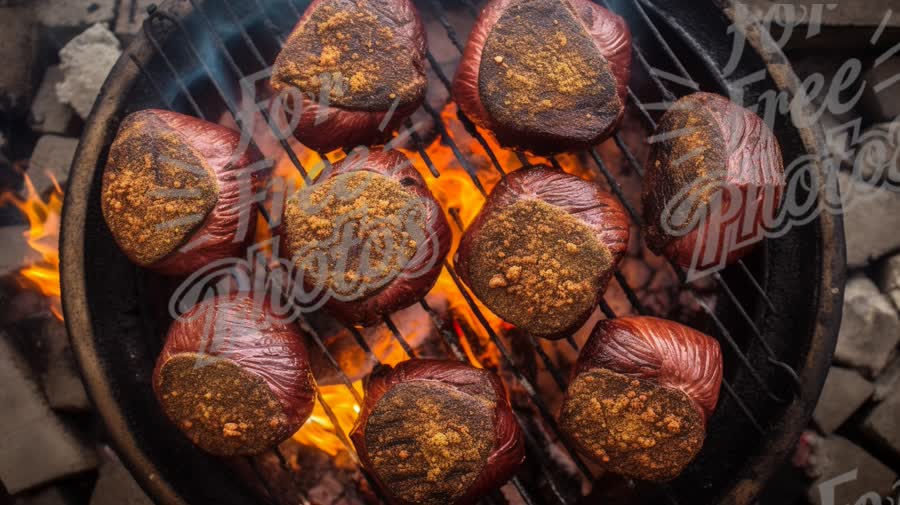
(508, 452)
(657, 350)
(423, 269)
(581, 199)
(256, 341)
(754, 165)
(219, 231)
(325, 128)
(608, 30)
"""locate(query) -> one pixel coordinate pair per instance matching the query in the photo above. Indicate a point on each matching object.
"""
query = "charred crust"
(222, 408)
(364, 226)
(356, 51)
(543, 76)
(537, 267)
(157, 189)
(689, 148)
(428, 442)
(632, 427)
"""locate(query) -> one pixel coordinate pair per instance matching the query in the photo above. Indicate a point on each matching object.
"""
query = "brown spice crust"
(537, 267)
(358, 49)
(386, 221)
(222, 408)
(542, 75)
(429, 441)
(157, 189)
(633, 427)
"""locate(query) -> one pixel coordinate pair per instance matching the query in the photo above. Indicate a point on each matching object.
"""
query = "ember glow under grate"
(760, 383)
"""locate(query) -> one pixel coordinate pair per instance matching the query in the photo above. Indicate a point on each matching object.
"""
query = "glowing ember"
(43, 237)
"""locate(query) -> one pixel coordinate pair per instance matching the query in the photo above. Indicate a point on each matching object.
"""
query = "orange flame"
(462, 200)
(43, 237)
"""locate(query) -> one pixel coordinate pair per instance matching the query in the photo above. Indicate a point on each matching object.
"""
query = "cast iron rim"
(101, 127)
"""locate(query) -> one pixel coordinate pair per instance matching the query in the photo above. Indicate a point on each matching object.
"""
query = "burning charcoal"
(641, 394)
(542, 250)
(177, 191)
(713, 182)
(545, 75)
(437, 432)
(351, 72)
(368, 236)
(234, 376)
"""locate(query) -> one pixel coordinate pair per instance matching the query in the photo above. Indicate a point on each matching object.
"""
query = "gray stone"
(18, 46)
(844, 392)
(68, 13)
(132, 14)
(889, 279)
(47, 496)
(48, 114)
(881, 97)
(15, 251)
(117, 487)
(61, 381)
(846, 470)
(882, 424)
(85, 62)
(52, 156)
(877, 158)
(870, 329)
(871, 218)
(37, 447)
(888, 381)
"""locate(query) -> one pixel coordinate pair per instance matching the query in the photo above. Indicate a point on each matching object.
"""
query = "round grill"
(776, 313)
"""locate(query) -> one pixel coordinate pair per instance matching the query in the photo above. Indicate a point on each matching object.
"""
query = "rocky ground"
(56, 54)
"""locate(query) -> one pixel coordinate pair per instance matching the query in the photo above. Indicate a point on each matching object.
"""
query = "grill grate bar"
(399, 337)
(467, 166)
(168, 63)
(417, 140)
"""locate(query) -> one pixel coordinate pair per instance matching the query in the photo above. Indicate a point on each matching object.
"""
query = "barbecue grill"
(776, 317)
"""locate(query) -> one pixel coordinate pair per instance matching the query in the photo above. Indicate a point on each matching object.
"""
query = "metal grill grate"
(536, 441)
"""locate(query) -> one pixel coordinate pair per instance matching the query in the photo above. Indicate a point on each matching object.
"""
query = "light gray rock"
(877, 157)
(15, 251)
(18, 47)
(871, 218)
(889, 279)
(48, 114)
(47, 496)
(68, 13)
(52, 156)
(883, 424)
(117, 487)
(85, 62)
(37, 447)
(881, 97)
(870, 329)
(844, 472)
(844, 392)
(888, 381)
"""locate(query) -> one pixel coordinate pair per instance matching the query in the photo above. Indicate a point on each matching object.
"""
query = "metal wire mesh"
(541, 439)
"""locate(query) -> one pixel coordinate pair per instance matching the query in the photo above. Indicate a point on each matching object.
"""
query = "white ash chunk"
(889, 280)
(844, 472)
(66, 13)
(48, 114)
(870, 329)
(844, 392)
(871, 218)
(85, 62)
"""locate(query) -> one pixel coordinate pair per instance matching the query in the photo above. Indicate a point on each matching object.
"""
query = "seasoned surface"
(429, 441)
(158, 189)
(537, 267)
(542, 73)
(221, 407)
(633, 427)
(356, 50)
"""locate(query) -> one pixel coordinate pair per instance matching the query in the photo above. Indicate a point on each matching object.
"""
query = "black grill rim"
(101, 128)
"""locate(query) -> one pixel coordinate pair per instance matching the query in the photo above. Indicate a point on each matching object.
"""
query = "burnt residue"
(542, 250)
(437, 432)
